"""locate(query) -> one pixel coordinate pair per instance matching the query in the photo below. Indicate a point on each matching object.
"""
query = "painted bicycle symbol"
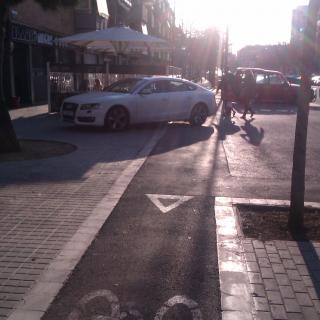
(128, 311)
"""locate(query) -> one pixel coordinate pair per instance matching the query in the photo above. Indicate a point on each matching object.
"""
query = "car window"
(191, 87)
(276, 79)
(175, 86)
(159, 86)
(261, 78)
(124, 86)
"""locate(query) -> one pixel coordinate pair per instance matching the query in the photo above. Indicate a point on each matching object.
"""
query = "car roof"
(260, 70)
(164, 78)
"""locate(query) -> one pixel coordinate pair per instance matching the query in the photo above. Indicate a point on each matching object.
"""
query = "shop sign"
(45, 38)
(25, 34)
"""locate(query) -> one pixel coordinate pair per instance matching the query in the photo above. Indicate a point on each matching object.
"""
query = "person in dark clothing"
(227, 85)
(248, 93)
(84, 86)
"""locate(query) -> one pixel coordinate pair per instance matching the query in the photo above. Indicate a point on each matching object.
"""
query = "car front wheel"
(117, 119)
(199, 115)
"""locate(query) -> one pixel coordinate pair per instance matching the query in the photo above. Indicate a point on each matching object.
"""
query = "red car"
(271, 86)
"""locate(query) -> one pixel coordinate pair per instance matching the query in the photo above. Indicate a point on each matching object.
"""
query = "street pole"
(296, 221)
(226, 51)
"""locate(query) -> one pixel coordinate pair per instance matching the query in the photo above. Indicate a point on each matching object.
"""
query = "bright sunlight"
(249, 21)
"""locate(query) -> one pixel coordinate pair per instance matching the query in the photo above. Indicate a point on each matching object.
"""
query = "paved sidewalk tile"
(43, 203)
(283, 277)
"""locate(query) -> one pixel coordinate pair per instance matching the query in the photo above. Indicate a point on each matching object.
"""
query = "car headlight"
(90, 106)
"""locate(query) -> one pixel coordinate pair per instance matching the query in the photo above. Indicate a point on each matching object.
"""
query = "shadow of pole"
(310, 255)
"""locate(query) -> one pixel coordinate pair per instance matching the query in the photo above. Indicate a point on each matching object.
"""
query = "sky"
(249, 21)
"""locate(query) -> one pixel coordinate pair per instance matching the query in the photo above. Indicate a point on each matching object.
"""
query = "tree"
(299, 154)
(202, 51)
(8, 139)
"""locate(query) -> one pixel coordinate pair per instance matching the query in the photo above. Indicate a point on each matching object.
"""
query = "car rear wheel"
(117, 119)
(199, 115)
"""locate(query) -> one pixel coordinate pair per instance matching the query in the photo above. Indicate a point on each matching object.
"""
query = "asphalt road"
(258, 155)
(250, 159)
(155, 257)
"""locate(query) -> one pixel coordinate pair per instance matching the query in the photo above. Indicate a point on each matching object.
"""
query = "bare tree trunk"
(300, 145)
(8, 139)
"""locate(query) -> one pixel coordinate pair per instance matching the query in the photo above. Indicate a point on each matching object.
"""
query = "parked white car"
(140, 100)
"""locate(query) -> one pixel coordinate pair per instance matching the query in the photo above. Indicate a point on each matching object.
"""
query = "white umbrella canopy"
(115, 39)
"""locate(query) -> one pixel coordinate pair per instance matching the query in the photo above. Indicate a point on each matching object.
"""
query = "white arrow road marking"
(155, 198)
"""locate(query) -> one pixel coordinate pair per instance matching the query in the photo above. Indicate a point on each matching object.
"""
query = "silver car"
(141, 100)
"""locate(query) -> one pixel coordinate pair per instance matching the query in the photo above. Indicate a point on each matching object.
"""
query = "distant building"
(276, 57)
(299, 21)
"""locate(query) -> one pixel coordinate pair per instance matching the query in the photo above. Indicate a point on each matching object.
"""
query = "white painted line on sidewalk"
(39, 298)
(178, 200)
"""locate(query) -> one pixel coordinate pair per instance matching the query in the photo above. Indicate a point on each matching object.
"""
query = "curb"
(39, 298)
(236, 298)
(227, 201)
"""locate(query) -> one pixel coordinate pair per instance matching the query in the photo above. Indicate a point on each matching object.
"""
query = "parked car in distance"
(315, 80)
(271, 86)
(141, 100)
(292, 79)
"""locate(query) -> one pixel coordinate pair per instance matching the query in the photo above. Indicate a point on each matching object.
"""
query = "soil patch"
(38, 149)
(270, 223)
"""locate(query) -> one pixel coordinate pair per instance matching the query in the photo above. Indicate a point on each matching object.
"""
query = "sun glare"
(249, 21)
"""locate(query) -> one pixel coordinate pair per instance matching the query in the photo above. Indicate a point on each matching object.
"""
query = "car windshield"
(124, 86)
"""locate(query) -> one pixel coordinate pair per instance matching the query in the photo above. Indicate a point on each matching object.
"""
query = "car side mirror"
(146, 91)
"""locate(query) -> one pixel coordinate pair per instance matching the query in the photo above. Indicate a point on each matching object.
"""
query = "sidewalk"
(314, 106)
(265, 280)
(28, 112)
(51, 209)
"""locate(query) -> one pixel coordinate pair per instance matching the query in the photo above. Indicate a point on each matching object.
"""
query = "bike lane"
(156, 256)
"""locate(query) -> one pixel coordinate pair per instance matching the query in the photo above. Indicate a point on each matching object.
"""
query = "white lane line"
(39, 298)
(177, 201)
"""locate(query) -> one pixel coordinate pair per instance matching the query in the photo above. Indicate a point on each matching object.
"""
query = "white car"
(140, 100)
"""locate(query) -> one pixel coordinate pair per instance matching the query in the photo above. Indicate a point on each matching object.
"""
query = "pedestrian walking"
(97, 85)
(228, 96)
(247, 93)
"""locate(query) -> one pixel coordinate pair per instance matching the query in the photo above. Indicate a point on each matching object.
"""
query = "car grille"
(69, 111)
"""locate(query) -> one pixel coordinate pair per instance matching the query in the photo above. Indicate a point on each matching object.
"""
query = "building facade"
(119, 12)
(280, 57)
(33, 33)
(32, 36)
